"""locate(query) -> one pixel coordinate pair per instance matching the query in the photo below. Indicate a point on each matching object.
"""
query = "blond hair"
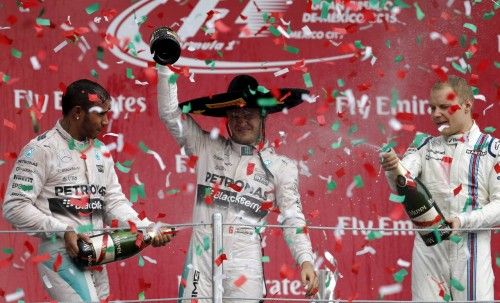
(458, 85)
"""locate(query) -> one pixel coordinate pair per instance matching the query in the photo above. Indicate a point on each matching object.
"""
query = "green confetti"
(220, 54)
(354, 128)
(143, 147)
(173, 78)
(186, 108)
(489, 129)
(419, 139)
(26, 187)
(274, 31)
(356, 142)
(335, 93)
(358, 181)
(398, 58)
(265, 259)
(199, 250)
(130, 74)
(497, 65)
(340, 82)
(418, 11)
(458, 67)
(456, 284)
(291, 49)
(324, 9)
(388, 43)
(5, 78)
(437, 234)
(7, 250)
(94, 73)
(336, 126)
(331, 185)
(16, 53)
(374, 234)
(43, 22)
(139, 21)
(337, 144)
(488, 15)
(299, 230)
(455, 239)
(400, 275)
(206, 243)
(122, 167)
(418, 40)
(397, 198)
(471, 26)
(394, 98)
(173, 191)
(85, 228)
(388, 146)
(210, 63)
(137, 191)
(98, 144)
(401, 4)
(100, 53)
(262, 89)
(141, 296)
(307, 80)
(498, 260)
(92, 8)
(267, 102)
(141, 261)
(447, 297)
(358, 44)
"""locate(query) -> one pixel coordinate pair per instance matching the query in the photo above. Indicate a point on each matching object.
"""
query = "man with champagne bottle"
(461, 169)
(64, 181)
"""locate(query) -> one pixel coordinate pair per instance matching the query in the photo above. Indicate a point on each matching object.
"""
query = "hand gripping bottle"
(421, 208)
(117, 245)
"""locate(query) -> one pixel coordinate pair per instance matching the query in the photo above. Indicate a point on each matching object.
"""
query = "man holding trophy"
(237, 177)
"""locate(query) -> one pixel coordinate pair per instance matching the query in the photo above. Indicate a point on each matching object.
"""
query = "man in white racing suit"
(242, 178)
(461, 169)
(62, 186)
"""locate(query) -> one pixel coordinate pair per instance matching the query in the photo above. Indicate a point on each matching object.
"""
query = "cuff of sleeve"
(64, 227)
(305, 257)
(463, 220)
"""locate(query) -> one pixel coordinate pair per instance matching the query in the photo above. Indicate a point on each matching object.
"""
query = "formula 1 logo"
(223, 37)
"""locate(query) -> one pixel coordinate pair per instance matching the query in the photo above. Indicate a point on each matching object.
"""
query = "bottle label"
(429, 219)
(104, 248)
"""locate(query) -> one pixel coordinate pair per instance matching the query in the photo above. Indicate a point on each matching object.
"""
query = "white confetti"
(390, 289)
(281, 72)
(150, 260)
(436, 36)
(349, 189)
(167, 179)
(373, 60)
(60, 46)
(489, 106)
(303, 137)
(158, 159)
(46, 281)
(308, 98)
(368, 53)
(481, 97)
(102, 65)
(366, 250)
(35, 63)
(141, 83)
(14, 296)
(467, 8)
(191, 78)
(214, 133)
(283, 32)
(93, 26)
(395, 124)
(136, 179)
(403, 263)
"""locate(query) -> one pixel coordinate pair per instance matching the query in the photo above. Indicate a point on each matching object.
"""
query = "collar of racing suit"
(250, 150)
(471, 136)
(66, 136)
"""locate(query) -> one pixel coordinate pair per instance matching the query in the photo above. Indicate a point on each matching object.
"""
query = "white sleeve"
(489, 214)
(185, 130)
(26, 182)
(288, 200)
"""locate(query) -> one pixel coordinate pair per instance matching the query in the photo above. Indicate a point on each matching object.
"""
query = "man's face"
(449, 113)
(245, 125)
(95, 119)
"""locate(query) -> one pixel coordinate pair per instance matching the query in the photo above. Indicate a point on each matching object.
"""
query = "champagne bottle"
(421, 208)
(117, 245)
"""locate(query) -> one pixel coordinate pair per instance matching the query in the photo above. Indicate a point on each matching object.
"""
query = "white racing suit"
(462, 173)
(49, 172)
(232, 180)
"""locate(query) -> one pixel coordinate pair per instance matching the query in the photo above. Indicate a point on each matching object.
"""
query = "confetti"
(456, 284)
(457, 190)
(366, 250)
(420, 14)
(122, 167)
(221, 258)
(471, 26)
(396, 198)
(400, 275)
(92, 8)
(240, 281)
(489, 129)
(374, 235)
(16, 53)
(57, 262)
(387, 290)
(43, 22)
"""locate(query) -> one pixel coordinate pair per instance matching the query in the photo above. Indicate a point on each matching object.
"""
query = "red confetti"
(142, 215)
(57, 263)
(397, 212)
(218, 261)
(139, 240)
(372, 172)
(235, 187)
(452, 40)
(452, 109)
(286, 272)
(299, 121)
(451, 96)
(160, 215)
(313, 214)
(93, 98)
(457, 190)
(355, 268)
(447, 160)
(497, 168)
(29, 246)
(364, 86)
(440, 73)
(240, 281)
(401, 74)
(41, 258)
(6, 262)
(321, 120)
(114, 223)
(340, 172)
(143, 285)
(405, 117)
(83, 156)
(250, 168)
(79, 202)
(266, 205)
(5, 40)
(9, 124)
(12, 19)
(192, 161)
(133, 227)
